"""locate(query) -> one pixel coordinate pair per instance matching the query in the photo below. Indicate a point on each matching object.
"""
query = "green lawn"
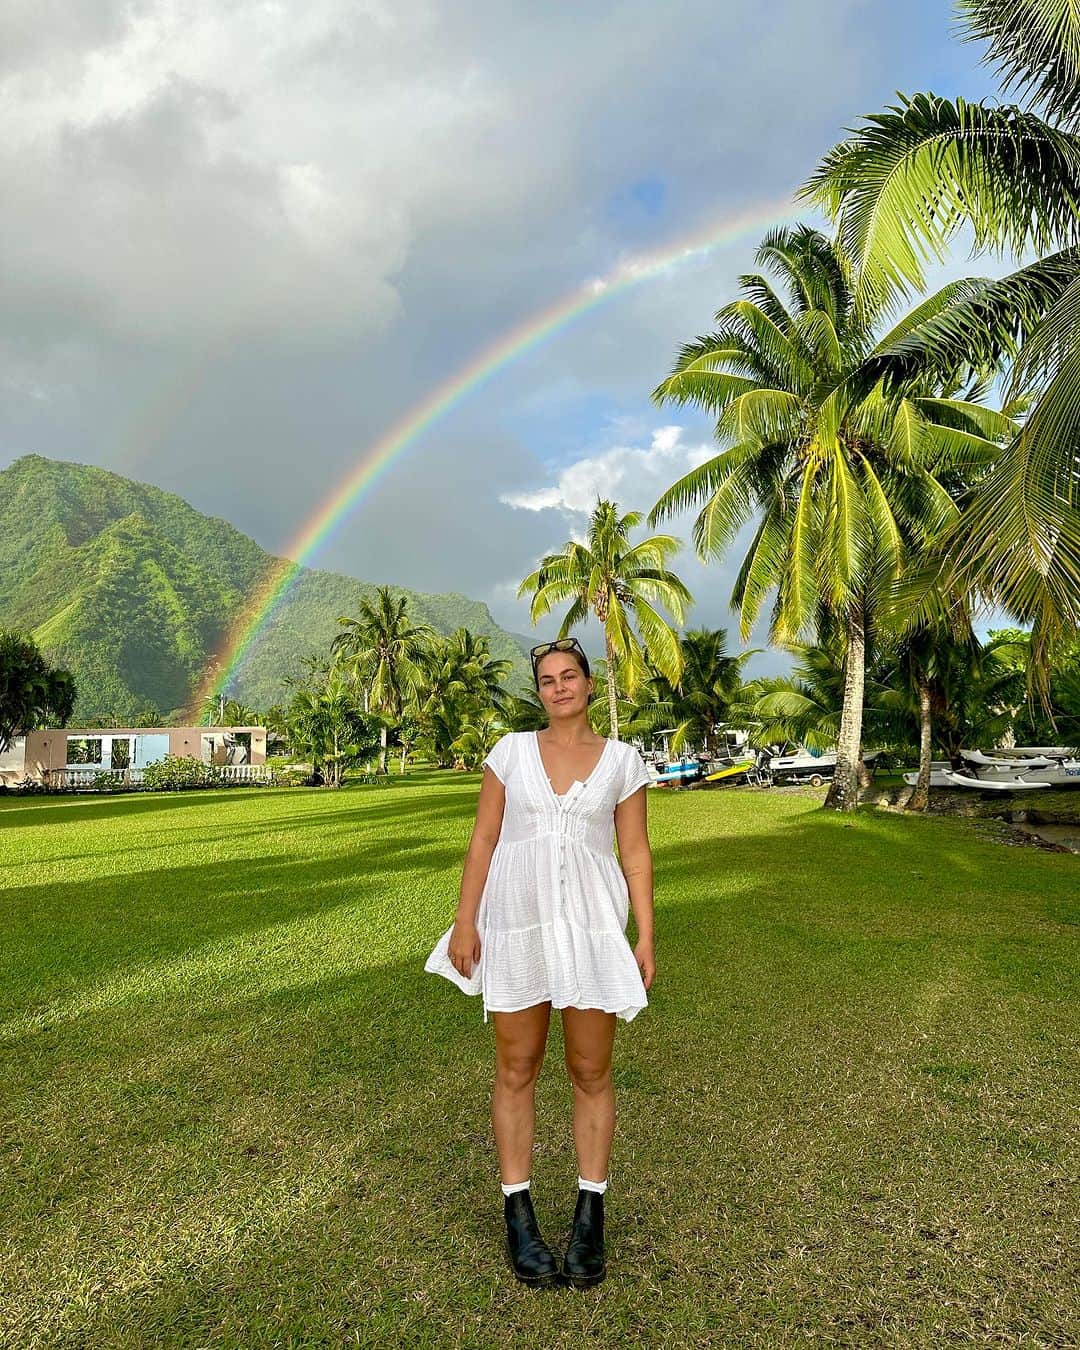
(236, 1112)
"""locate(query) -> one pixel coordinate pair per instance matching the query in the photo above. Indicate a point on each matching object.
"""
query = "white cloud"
(634, 476)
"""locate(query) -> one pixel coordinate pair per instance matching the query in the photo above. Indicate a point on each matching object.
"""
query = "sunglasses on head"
(567, 644)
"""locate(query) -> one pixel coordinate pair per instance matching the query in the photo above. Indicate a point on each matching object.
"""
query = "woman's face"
(563, 686)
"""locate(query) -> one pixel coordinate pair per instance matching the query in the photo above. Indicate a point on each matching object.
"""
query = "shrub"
(177, 773)
(289, 777)
(34, 787)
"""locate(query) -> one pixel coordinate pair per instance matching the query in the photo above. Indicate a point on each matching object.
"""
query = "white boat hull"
(992, 785)
(1062, 772)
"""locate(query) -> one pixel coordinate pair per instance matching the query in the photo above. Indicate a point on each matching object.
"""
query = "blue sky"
(245, 241)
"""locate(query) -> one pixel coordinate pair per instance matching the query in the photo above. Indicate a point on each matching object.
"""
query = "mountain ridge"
(135, 591)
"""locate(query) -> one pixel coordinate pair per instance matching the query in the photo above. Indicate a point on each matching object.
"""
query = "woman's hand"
(464, 948)
(643, 954)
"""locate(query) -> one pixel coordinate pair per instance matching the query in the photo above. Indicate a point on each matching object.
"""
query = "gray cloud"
(242, 241)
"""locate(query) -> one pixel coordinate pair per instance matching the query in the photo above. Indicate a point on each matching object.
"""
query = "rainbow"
(377, 459)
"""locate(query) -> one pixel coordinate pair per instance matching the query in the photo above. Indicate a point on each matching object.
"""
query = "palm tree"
(617, 581)
(476, 739)
(460, 678)
(804, 707)
(953, 691)
(918, 685)
(386, 652)
(700, 704)
(899, 188)
(325, 721)
(220, 711)
(835, 437)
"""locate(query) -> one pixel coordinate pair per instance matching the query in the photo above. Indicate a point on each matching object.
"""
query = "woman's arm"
(464, 945)
(635, 859)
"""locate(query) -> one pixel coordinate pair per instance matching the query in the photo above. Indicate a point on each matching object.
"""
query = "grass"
(236, 1112)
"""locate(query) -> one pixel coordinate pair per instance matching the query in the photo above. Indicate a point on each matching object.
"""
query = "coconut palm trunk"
(612, 695)
(384, 752)
(920, 798)
(843, 794)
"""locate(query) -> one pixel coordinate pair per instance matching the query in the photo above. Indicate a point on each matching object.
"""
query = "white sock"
(509, 1189)
(598, 1186)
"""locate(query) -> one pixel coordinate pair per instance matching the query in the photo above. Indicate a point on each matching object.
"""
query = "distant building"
(61, 756)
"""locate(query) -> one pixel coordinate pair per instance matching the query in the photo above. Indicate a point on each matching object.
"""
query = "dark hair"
(578, 655)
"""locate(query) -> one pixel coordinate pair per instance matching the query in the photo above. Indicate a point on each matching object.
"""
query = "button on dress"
(553, 912)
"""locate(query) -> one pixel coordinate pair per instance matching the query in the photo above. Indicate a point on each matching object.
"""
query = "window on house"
(84, 749)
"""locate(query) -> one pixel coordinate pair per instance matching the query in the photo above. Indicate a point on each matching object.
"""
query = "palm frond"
(907, 179)
(1035, 46)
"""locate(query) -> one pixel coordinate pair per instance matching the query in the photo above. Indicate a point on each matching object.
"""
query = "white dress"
(553, 912)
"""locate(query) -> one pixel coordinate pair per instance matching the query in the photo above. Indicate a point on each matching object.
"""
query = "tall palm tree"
(835, 437)
(619, 583)
(386, 651)
(899, 189)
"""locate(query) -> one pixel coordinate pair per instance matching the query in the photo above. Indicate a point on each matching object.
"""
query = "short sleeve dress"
(553, 912)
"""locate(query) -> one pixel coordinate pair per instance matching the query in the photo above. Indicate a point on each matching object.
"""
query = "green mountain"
(134, 591)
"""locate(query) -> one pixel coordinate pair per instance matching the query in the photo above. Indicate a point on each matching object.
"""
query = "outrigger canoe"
(731, 771)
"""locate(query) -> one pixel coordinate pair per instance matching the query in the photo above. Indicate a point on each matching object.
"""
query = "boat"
(809, 766)
(1048, 766)
(679, 772)
(733, 769)
(965, 780)
(939, 771)
(1018, 769)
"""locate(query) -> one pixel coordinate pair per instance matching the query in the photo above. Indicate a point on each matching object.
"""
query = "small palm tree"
(386, 652)
(700, 704)
(325, 721)
(618, 582)
(476, 739)
(460, 678)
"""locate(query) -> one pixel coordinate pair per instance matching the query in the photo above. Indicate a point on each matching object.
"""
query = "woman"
(541, 923)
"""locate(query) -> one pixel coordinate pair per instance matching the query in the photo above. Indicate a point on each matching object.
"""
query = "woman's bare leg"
(520, 1042)
(589, 1035)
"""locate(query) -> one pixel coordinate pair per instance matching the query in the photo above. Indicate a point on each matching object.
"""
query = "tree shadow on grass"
(323, 1166)
(108, 926)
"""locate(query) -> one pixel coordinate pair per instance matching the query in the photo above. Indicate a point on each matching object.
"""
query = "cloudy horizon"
(243, 244)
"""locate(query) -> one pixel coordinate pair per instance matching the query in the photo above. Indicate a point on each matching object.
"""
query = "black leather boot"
(584, 1263)
(533, 1261)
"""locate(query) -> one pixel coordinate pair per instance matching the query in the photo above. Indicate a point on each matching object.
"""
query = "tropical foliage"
(386, 652)
(461, 683)
(900, 188)
(697, 709)
(620, 584)
(32, 693)
(838, 445)
(326, 725)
